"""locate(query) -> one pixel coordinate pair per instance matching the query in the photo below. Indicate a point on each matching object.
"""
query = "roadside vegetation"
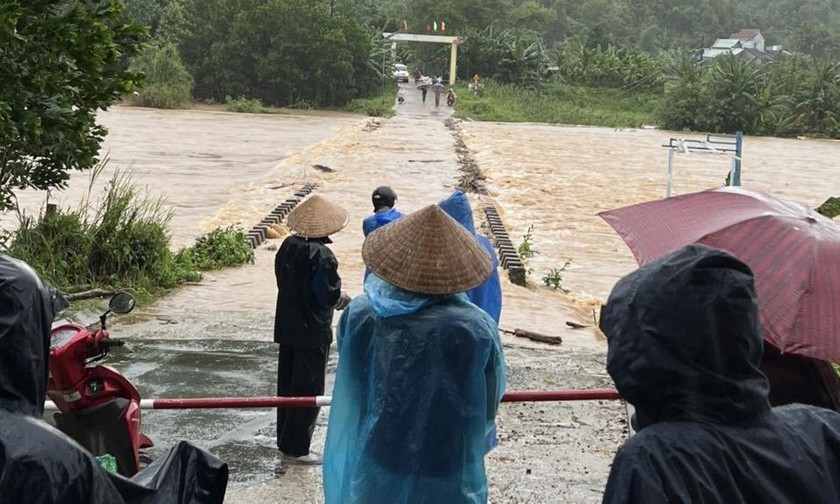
(119, 241)
(559, 103)
(381, 105)
(244, 105)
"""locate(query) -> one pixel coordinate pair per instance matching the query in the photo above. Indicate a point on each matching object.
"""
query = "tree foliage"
(796, 96)
(167, 82)
(281, 52)
(60, 63)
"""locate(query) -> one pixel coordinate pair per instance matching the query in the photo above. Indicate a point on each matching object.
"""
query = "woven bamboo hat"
(427, 252)
(317, 217)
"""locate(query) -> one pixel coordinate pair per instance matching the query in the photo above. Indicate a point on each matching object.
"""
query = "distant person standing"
(424, 88)
(438, 90)
(308, 290)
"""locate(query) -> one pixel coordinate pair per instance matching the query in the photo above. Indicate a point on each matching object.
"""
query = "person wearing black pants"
(300, 372)
(308, 291)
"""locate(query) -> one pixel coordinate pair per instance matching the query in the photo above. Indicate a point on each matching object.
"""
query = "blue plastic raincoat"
(487, 296)
(379, 219)
(417, 388)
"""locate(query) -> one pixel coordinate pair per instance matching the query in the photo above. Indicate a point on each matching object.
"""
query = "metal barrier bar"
(316, 401)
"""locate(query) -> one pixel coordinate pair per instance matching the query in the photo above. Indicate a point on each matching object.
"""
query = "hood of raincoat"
(26, 313)
(458, 207)
(685, 339)
(388, 300)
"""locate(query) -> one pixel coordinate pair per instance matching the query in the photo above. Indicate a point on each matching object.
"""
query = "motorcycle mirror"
(121, 302)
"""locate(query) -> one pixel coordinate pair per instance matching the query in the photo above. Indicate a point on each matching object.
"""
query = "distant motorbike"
(98, 407)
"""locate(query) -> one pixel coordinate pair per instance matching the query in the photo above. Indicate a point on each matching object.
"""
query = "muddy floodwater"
(218, 169)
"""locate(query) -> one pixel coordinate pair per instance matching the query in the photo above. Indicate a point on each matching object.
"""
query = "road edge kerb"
(257, 235)
(508, 256)
(474, 180)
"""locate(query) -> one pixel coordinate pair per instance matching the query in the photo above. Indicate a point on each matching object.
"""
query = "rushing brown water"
(559, 178)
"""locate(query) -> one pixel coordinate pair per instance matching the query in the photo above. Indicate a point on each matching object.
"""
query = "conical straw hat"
(427, 252)
(317, 217)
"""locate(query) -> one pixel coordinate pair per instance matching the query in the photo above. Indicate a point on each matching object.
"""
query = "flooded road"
(214, 338)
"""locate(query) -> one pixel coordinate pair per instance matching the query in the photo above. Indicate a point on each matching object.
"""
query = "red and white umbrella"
(793, 251)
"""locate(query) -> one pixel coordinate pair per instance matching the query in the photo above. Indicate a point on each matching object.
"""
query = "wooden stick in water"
(543, 338)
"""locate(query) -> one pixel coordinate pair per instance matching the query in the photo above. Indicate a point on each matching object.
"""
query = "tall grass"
(121, 240)
(558, 103)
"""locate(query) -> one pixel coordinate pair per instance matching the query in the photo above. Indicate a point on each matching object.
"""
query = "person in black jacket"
(308, 290)
(685, 346)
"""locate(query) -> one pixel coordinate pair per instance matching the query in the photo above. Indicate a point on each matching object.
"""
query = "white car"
(401, 72)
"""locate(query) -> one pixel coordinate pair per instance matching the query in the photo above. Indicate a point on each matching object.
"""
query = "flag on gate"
(435, 25)
(405, 25)
(443, 26)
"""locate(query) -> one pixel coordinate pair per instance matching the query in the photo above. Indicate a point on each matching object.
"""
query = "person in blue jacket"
(420, 372)
(487, 296)
(383, 198)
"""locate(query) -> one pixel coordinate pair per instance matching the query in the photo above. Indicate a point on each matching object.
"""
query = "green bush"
(378, 106)
(220, 248)
(168, 84)
(244, 105)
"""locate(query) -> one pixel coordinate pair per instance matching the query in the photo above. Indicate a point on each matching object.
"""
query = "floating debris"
(372, 125)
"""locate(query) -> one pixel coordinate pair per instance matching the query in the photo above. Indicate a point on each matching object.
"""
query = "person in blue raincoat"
(383, 198)
(420, 371)
(487, 296)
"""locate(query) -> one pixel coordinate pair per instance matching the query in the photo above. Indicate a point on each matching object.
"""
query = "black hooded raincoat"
(308, 286)
(684, 348)
(39, 464)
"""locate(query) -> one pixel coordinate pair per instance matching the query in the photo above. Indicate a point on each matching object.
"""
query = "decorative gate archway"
(437, 39)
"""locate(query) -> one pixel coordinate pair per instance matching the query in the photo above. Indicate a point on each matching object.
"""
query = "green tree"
(167, 82)
(282, 52)
(60, 64)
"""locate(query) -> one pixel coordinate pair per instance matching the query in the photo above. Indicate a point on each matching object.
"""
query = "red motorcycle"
(98, 407)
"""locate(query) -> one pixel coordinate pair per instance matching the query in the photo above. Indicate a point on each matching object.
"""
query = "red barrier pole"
(312, 401)
(308, 402)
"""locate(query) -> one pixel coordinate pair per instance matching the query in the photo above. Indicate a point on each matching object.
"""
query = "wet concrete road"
(245, 438)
